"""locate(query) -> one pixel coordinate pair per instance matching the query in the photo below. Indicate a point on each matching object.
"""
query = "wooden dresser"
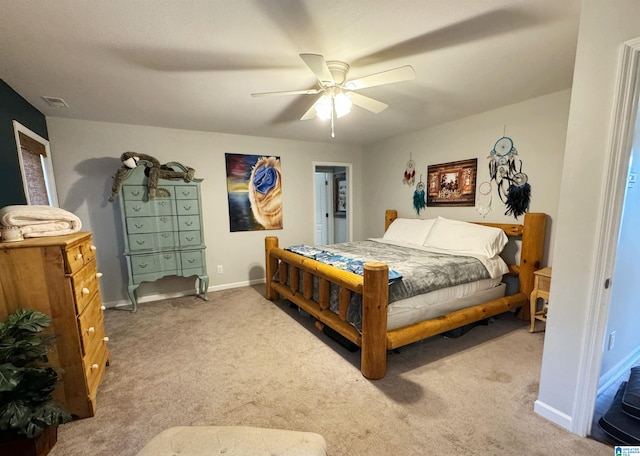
(57, 275)
(164, 235)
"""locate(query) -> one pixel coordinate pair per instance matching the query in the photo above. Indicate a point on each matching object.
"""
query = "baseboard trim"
(613, 374)
(179, 294)
(553, 415)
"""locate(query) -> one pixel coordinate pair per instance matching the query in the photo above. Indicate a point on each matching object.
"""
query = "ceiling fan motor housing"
(339, 72)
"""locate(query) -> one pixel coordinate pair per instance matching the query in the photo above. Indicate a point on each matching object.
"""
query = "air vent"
(56, 102)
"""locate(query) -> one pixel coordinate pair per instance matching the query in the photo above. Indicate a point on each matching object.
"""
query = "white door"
(323, 216)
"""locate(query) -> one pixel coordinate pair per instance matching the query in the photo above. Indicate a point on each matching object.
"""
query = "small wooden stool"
(541, 286)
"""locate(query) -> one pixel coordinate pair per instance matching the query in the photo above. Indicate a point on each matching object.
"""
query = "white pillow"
(410, 231)
(465, 237)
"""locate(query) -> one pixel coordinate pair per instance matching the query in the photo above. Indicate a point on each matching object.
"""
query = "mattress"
(443, 301)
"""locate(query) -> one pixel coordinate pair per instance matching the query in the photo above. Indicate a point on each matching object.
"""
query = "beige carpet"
(241, 360)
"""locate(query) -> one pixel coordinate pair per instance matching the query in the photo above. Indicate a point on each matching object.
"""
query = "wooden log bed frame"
(374, 339)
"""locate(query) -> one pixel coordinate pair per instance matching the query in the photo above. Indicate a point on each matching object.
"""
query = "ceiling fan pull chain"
(333, 117)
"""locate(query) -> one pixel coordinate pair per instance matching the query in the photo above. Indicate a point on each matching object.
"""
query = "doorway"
(332, 201)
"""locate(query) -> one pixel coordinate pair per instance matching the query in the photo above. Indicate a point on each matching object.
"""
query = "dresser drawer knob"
(94, 366)
(138, 225)
(93, 248)
(85, 291)
(79, 256)
(106, 339)
(91, 330)
(98, 275)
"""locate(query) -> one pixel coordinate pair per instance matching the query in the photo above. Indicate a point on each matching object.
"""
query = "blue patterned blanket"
(337, 260)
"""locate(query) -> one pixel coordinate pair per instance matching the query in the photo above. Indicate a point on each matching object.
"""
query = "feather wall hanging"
(505, 168)
(409, 173)
(484, 202)
(419, 197)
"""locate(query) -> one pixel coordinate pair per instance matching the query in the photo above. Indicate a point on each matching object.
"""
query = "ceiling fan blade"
(311, 112)
(403, 73)
(286, 92)
(368, 103)
(318, 65)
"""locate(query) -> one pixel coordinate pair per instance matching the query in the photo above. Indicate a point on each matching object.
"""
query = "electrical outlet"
(612, 340)
(220, 270)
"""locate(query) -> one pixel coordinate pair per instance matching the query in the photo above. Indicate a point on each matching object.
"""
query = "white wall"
(86, 155)
(538, 129)
(604, 26)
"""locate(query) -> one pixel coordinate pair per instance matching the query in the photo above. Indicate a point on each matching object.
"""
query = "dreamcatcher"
(506, 170)
(419, 200)
(484, 204)
(409, 172)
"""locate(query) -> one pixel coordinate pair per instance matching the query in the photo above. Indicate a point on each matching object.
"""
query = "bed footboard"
(373, 286)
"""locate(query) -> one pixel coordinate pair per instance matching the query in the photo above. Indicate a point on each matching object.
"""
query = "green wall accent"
(14, 107)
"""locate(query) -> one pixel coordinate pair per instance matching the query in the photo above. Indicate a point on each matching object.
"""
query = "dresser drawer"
(156, 207)
(139, 225)
(134, 192)
(85, 286)
(186, 192)
(189, 238)
(192, 259)
(189, 222)
(91, 327)
(157, 262)
(94, 364)
(152, 241)
(79, 254)
(187, 207)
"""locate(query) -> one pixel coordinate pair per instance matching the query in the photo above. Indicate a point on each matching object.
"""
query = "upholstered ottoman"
(233, 441)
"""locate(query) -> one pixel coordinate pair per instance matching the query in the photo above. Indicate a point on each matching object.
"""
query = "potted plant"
(28, 413)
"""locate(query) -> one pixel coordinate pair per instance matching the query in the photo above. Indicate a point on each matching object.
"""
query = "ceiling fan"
(335, 95)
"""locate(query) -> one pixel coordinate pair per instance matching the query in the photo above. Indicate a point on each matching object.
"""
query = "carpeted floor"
(241, 360)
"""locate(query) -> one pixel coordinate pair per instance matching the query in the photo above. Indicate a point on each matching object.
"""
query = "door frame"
(349, 173)
(620, 142)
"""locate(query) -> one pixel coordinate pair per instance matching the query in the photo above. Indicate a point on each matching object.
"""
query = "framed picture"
(452, 184)
(340, 191)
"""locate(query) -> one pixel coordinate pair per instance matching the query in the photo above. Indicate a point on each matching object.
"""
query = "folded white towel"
(40, 221)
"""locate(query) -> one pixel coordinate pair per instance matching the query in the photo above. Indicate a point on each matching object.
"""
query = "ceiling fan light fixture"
(341, 103)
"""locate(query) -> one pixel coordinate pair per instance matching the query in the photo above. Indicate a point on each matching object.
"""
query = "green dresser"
(163, 236)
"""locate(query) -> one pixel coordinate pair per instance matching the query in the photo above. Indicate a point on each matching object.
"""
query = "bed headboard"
(532, 232)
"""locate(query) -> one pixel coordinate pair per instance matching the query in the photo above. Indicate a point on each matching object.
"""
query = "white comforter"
(40, 221)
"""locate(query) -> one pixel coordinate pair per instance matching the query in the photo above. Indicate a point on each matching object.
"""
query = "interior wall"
(604, 26)
(538, 129)
(624, 317)
(14, 107)
(86, 155)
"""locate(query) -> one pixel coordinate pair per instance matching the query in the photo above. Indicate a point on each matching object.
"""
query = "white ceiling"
(192, 64)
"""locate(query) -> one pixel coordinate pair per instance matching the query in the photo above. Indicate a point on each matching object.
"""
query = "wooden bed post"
(389, 216)
(533, 236)
(271, 266)
(373, 362)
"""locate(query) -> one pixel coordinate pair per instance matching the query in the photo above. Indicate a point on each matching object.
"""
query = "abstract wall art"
(254, 189)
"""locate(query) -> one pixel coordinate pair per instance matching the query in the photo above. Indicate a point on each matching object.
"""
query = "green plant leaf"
(10, 377)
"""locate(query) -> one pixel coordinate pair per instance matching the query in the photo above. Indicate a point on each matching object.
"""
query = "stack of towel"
(40, 221)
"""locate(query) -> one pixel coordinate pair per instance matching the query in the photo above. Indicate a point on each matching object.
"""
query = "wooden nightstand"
(541, 287)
